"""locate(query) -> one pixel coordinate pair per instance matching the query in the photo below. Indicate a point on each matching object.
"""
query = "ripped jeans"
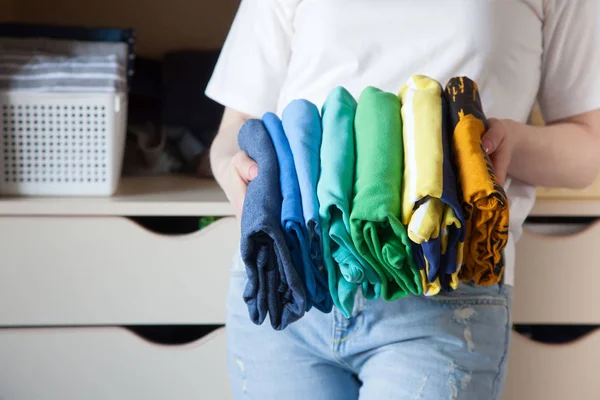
(451, 346)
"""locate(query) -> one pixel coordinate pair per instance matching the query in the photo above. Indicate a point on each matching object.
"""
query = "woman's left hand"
(499, 143)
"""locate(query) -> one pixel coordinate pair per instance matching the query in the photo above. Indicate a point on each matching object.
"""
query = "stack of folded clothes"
(46, 58)
(35, 71)
(71, 41)
(389, 194)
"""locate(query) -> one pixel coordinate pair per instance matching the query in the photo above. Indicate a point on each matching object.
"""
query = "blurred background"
(122, 295)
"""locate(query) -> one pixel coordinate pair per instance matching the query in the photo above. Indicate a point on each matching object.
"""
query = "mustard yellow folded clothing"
(485, 204)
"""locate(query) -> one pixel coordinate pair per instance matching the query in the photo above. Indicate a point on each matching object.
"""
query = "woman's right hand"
(232, 168)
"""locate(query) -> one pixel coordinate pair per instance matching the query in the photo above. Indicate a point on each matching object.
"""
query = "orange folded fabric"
(485, 203)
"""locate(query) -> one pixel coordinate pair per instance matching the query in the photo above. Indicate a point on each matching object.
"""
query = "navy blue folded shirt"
(450, 196)
(274, 286)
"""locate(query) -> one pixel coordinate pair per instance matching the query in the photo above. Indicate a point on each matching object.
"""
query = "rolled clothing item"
(302, 126)
(429, 185)
(292, 219)
(375, 225)
(347, 270)
(485, 205)
(274, 286)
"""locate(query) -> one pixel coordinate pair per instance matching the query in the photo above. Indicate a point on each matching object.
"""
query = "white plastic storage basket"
(61, 144)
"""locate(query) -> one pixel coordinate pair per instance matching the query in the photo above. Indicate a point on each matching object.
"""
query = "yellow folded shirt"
(424, 210)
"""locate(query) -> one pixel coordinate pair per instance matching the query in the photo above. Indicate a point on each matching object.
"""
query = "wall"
(160, 25)
(8, 10)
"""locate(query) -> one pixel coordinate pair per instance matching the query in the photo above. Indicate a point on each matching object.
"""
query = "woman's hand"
(232, 168)
(241, 170)
(563, 154)
(499, 142)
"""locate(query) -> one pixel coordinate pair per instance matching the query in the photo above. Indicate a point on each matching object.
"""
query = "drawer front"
(556, 274)
(539, 371)
(592, 192)
(111, 271)
(109, 363)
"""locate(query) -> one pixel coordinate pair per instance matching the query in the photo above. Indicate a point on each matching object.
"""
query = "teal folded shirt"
(347, 269)
(302, 126)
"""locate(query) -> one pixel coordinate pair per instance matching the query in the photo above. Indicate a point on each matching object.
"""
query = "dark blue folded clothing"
(274, 286)
(450, 196)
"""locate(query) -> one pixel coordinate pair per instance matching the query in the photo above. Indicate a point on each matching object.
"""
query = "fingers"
(495, 145)
(494, 136)
(244, 170)
(245, 166)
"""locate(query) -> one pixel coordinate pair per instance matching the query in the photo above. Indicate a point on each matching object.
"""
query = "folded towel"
(302, 125)
(74, 40)
(347, 269)
(484, 201)
(44, 72)
(273, 286)
(376, 230)
(429, 186)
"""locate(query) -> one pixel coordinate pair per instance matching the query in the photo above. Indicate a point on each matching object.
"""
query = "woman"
(450, 346)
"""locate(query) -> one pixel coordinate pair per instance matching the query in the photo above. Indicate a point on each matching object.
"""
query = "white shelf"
(170, 195)
(176, 195)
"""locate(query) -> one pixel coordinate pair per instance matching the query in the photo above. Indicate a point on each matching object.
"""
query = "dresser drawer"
(112, 271)
(556, 275)
(538, 371)
(591, 192)
(109, 363)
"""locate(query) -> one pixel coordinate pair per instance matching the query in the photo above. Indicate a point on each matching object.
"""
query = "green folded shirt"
(375, 225)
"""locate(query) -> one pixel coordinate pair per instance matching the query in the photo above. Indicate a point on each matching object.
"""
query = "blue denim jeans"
(452, 346)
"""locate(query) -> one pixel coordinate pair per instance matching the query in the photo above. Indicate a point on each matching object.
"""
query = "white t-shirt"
(516, 50)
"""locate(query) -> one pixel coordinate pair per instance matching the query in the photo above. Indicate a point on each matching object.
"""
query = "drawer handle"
(172, 335)
(555, 334)
(561, 227)
(174, 225)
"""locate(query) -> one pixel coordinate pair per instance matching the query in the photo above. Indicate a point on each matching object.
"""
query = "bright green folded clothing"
(375, 225)
(347, 270)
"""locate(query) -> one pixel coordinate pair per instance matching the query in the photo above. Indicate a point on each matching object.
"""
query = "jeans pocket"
(470, 294)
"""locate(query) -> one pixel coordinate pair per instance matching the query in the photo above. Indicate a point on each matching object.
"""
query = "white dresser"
(74, 270)
(558, 269)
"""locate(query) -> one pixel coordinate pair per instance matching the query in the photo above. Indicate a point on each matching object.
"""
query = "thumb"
(245, 166)
(494, 136)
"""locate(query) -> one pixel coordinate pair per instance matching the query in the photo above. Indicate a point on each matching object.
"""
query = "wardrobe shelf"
(168, 195)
